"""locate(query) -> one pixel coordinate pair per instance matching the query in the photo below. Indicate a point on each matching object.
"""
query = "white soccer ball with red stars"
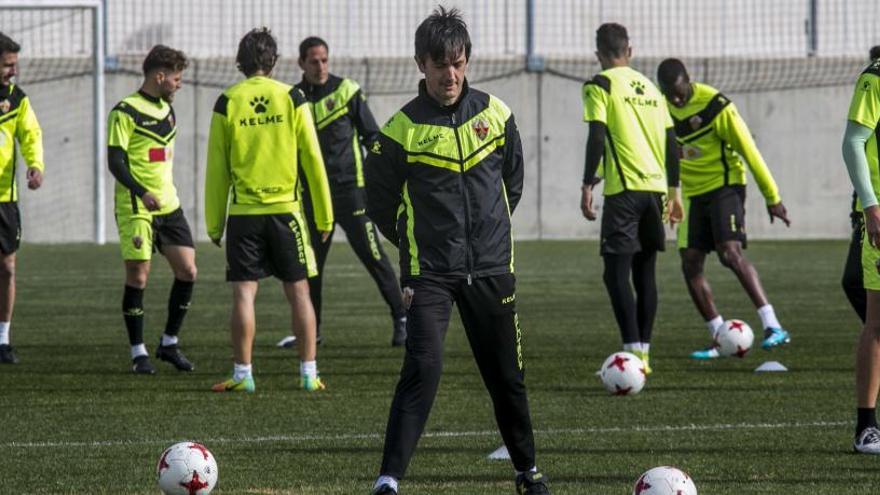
(186, 468)
(734, 338)
(623, 373)
(665, 480)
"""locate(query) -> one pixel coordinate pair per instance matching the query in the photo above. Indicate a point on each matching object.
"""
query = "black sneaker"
(171, 354)
(384, 490)
(532, 483)
(141, 365)
(7, 354)
(398, 338)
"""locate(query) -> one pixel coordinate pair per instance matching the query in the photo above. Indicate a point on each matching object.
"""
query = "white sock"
(169, 339)
(632, 347)
(385, 480)
(533, 470)
(646, 347)
(139, 350)
(768, 317)
(241, 371)
(714, 324)
(4, 332)
(308, 369)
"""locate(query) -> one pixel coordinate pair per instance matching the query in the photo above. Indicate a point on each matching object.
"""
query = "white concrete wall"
(798, 131)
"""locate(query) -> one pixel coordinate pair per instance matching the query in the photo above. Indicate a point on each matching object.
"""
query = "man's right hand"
(587, 202)
(151, 202)
(872, 225)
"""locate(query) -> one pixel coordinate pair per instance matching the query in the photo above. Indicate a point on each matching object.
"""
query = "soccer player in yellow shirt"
(715, 147)
(140, 149)
(261, 136)
(18, 124)
(862, 156)
(631, 135)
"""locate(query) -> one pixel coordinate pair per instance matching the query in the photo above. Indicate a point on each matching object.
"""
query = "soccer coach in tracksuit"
(442, 180)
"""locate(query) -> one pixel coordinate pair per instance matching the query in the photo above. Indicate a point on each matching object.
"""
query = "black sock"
(645, 285)
(178, 303)
(133, 313)
(866, 418)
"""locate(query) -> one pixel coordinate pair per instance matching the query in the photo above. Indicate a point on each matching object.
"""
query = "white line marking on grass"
(434, 434)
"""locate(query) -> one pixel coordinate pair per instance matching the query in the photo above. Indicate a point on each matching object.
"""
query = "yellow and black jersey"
(442, 183)
(345, 124)
(140, 148)
(864, 109)
(634, 113)
(18, 124)
(261, 135)
(714, 142)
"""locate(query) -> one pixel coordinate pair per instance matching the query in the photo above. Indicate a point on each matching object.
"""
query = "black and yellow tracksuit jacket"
(344, 124)
(18, 124)
(442, 183)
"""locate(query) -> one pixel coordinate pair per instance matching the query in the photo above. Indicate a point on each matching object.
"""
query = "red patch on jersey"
(159, 154)
(481, 128)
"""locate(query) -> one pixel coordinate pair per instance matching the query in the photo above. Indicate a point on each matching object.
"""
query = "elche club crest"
(330, 104)
(5, 106)
(481, 128)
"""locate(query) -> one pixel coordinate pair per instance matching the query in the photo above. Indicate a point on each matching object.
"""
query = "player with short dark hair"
(442, 180)
(715, 143)
(860, 153)
(345, 124)
(631, 136)
(142, 130)
(261, 136)
(18, 129)
(852, 280)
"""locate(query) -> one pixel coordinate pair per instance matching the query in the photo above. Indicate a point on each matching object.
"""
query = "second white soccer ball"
(664, 480)
(623, 373)
(186, 468)
(734, 338)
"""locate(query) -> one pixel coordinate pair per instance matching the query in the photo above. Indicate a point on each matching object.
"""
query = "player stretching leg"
(713, 137)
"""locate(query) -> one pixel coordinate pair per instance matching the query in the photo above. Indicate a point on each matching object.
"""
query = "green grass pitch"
(75, 420)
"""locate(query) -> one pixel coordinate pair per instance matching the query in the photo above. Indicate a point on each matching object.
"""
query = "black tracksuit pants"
(349, 211)
(852, 280)
(487, 309)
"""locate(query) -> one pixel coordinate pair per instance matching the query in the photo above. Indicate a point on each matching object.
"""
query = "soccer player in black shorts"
(442, 180)
(716, 147)
(140, 146)
(261, 136)
(19, 122)
(631, 135)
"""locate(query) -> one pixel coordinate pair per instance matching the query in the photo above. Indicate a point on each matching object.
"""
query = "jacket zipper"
(467, 206)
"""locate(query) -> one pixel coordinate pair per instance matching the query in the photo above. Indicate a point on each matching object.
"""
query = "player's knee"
(7, 268)
(187, 273)
(731, 258)
(691, 268)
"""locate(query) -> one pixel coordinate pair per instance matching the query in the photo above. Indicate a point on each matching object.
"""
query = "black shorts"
(714, 217)
(259, 246)
(632, 221)
(171, 230)
(10, 227)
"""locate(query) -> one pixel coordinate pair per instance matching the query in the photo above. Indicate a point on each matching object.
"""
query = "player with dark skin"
(730, 253)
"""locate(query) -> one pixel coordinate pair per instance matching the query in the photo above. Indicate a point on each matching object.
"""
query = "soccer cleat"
(311, 384)
(290, 341)
(383, 489)
(706, 354)
(287, 342)
(232, 385)
(645, 359)
(398, 337)
(532, 483)
(171, 354)
(7, 354)
(141, 365)
(774, 337)
(868, 441)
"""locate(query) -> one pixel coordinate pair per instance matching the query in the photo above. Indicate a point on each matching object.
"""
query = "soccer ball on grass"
(186, 468)
(623, 373)
(734, 338)
(664, 480)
